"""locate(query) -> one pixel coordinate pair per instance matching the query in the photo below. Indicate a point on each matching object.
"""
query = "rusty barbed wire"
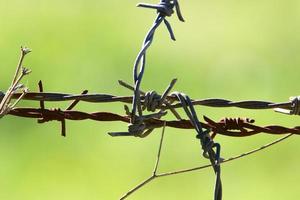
(237, 128)
(140, 125)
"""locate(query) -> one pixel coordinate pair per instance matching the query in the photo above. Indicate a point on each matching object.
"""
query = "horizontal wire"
(107, 98)
(245, 129)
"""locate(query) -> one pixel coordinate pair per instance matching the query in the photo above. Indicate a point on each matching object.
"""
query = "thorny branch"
(141, 125)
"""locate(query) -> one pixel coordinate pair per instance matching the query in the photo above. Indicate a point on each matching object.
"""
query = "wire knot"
(226, 124)
(165, 8)
(207, 142)
(52, 115)
(152, 101)
(55, 114)
(137, 128)
(235, 123)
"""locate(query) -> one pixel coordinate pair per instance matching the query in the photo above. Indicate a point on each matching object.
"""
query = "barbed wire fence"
(141, 125)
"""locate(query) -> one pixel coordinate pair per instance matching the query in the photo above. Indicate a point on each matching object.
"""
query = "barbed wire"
(227, 127)
(141, 124)
(108, 98)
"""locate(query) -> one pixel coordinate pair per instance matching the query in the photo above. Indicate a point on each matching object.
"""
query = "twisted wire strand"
(108, 98)
(207, 143)
(57, 114)
(141, 58)
(164, 8)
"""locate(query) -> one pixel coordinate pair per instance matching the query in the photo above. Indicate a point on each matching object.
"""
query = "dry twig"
(6, 106)
(154, 173)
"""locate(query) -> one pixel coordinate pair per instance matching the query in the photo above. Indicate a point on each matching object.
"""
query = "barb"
(55, 114)
(152, 101)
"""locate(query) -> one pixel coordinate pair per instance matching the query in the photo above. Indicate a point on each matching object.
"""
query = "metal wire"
(108, 98)
(207, 143)
(164, 9)
(219, 127)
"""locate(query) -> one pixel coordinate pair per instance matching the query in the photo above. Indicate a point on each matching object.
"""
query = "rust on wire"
(243, 129)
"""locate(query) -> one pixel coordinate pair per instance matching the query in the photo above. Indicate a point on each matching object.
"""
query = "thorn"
(118, 134)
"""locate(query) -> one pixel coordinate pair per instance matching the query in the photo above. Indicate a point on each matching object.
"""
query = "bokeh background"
(233, 49)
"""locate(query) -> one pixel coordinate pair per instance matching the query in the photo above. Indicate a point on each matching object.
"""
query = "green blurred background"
(233, 49)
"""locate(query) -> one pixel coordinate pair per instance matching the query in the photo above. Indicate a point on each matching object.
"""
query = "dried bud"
(25, 90)
(18, 87)
(25, 50)
(25, 71)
